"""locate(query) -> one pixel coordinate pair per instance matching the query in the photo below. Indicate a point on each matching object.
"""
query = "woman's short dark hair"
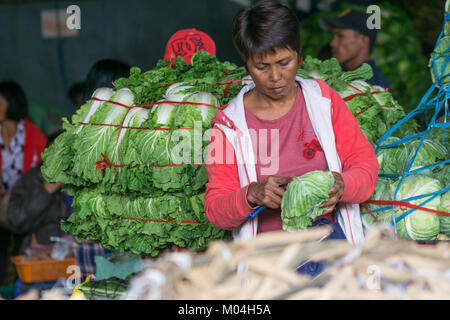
(264, 27)
(103, 73)
(17, 101)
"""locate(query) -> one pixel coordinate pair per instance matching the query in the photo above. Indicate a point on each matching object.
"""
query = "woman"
(21, 146)
(35, 207)
(281, 126)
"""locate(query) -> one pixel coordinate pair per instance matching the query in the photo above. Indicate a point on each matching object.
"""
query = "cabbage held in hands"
(301, 202)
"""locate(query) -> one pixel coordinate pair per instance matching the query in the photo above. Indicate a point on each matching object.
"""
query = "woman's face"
(3, 108)
(274, 73)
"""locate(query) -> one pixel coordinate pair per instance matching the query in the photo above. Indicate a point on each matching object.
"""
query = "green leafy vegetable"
(301, 202)
(419, 224)
(135, 153)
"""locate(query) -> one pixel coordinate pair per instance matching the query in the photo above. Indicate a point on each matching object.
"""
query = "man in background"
(353, 43)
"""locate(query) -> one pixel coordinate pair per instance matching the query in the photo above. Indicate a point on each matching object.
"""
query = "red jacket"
(34, 144)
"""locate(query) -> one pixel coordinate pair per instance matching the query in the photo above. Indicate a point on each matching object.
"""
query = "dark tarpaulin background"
(135, 31)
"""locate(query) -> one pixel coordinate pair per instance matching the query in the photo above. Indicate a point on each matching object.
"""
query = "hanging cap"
(184, 43)
(350, 19)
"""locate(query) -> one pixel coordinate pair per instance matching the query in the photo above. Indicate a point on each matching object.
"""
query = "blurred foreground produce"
(381, 268)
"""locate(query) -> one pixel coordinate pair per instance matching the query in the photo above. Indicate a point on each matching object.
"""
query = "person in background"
(353, 43)
(101, 74)
(75, 94)
(21, 144)
(36, 207)
(297, 113)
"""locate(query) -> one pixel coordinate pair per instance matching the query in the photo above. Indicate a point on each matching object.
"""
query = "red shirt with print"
(285, 147)
(226, 203)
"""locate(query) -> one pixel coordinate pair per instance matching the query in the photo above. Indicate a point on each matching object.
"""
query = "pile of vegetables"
(415, 169)
(133, 157)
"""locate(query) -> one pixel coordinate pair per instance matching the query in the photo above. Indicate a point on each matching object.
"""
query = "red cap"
(184, 43)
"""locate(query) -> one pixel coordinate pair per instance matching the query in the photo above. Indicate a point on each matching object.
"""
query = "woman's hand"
(267, 192)
(336, 193)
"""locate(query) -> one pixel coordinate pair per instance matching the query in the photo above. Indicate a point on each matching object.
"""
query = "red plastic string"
(101, 165)
(362, 111)
(233, 81)
(113, 102)
(353, 87)
(178, 102)
(359, 94)
(373, 216)
(224, 74)
(225, 91)
(406, 204)
(165, 221)
(141, 128)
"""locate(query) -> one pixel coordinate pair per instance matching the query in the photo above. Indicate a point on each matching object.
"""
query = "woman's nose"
(275, 74)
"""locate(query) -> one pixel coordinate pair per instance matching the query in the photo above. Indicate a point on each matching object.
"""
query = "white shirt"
(12, 159)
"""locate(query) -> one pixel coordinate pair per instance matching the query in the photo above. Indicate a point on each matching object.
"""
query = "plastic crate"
(42, 270)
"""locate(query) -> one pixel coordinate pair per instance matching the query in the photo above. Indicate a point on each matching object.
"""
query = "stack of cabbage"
(134, 158)
(415, 168)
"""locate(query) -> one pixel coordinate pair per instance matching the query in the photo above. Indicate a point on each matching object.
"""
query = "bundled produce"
(140, 224)
(133, 156)
(380, 268)
(418, 163)
(301, 202)
(418, 224)
(439, 61)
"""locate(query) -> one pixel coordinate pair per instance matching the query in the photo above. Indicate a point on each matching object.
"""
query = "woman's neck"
(9, 130)
(268, 109)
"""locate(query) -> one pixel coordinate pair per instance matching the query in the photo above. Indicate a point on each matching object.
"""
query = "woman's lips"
(278, 89)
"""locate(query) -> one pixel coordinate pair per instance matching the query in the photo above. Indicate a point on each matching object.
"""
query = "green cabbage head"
(418, 225)
(301, 202)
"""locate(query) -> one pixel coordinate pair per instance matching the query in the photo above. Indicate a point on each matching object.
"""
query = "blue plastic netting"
(434, 103)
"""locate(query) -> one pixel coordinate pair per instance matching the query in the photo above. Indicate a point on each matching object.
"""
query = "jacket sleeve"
(34, 145)
(28, 202)
(359, 162)
(226, 203)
